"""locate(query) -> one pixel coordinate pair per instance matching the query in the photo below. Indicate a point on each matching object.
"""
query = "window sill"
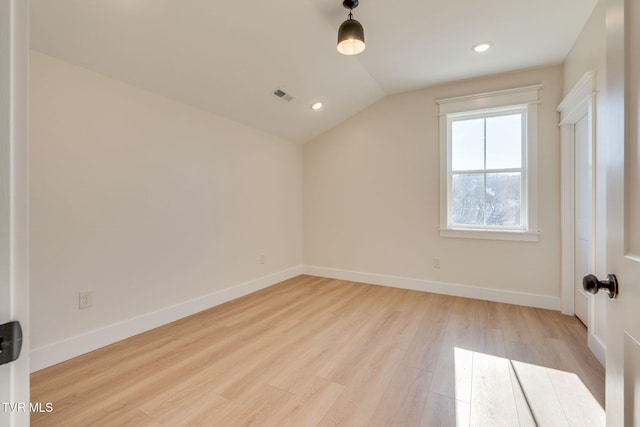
(521, 236)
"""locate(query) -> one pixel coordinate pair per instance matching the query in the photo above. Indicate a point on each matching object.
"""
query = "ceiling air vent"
(282, 95)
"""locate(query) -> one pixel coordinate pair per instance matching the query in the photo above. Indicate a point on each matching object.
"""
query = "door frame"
(14, 199)
(580, 101)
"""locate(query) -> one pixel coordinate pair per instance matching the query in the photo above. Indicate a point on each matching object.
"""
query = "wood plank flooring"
(312, 351)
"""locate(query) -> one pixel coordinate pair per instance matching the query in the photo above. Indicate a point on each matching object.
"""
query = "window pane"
(504, 141)
(503, 199)
(467, 205)
(467, 144)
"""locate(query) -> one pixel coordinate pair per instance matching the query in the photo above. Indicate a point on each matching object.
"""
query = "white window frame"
(523, 100)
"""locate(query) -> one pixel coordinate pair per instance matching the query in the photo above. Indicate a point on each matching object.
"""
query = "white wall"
(587, 53)
(150, 204)
(371, 201)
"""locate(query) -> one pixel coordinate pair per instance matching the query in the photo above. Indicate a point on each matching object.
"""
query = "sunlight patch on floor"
(500, 391)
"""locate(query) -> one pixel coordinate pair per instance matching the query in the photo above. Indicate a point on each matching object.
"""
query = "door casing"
(580, 101)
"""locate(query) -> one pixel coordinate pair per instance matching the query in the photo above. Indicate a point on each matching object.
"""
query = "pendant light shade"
(350, 33)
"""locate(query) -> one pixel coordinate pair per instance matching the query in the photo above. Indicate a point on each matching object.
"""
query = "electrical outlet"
(261, 259)
(436, 263)
(85, 299)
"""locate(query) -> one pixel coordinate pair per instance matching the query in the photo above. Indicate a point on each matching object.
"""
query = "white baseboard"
(71, 347)
(487, 294)
(597, 348)
(66, 349)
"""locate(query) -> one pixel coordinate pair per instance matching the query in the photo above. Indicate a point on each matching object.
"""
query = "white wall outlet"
(436, 263)
(261, 259)
(85, 299)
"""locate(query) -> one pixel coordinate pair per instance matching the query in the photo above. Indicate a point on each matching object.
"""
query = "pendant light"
(350, 33)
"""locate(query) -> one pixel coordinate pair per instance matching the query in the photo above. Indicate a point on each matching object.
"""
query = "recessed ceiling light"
(482, 47)
(316, 105)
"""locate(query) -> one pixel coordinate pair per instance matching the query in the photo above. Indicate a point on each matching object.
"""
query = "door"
(583, 215)
(623, 211)
(14, 298)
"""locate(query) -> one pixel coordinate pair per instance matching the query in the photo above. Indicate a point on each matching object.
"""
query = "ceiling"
(228, 57)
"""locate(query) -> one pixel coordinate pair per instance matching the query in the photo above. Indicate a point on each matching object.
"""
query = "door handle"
(591, 284)
(10, 342)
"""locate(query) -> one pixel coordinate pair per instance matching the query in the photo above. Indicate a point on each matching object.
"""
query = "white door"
(623, 211)
(14, 297)
(583, 215)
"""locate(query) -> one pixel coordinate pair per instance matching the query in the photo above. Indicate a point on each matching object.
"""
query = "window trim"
(524, 98)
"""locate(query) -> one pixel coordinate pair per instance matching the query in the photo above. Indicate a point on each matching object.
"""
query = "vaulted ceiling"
(229, 57)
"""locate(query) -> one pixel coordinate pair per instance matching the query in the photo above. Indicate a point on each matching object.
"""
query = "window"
(486, 170)
(488, 145)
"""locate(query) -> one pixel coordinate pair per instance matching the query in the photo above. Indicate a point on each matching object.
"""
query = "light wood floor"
(318, 352)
